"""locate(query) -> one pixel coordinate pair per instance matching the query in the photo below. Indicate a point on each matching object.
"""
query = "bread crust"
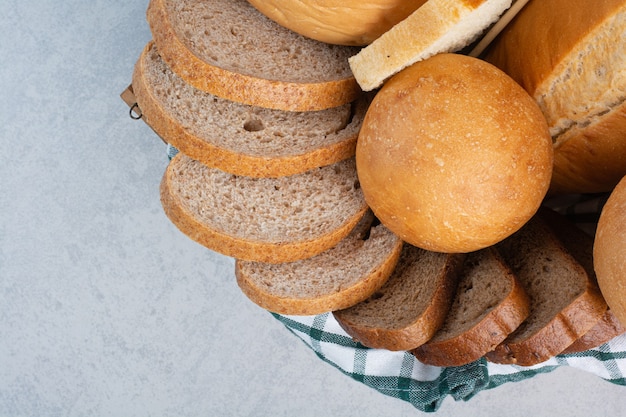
(609, 251)
(606, 329)
(589, 157)
(422, 328)
(489, 332)
(240, 248)
(339, 22)
(344, 298)
(182, 138)
(275, 94)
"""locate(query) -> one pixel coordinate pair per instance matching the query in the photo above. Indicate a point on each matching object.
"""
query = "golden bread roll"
(339, 22)
(609, 251)
(453, 155)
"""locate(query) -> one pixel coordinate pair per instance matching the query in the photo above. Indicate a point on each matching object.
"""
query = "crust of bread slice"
(489, 304)
(437, 26)
(570, 62)
(409, 308)
(263, 219)
(237, 138)
(580, 246)
(565, 301)
(247, 86)
(338, 278)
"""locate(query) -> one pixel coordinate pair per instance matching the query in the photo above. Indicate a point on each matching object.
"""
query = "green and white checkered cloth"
(401, 375)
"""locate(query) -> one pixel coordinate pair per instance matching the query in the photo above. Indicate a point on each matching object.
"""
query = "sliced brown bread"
(263, 219)
(580, 246)
(489, 304)
(565, 302)
(237, 138)
(409, 308)
(232, 50)
(335, 279)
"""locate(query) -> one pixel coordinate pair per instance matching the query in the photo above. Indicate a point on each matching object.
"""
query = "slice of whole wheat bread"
(409, 308)
(580, 246)
(230, 49)
(565, 302)
(237, 138)
(335, 279)
(263, 219)
(489, 304)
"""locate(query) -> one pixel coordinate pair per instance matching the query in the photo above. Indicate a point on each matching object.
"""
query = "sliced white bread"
(580, 246)
(263, 219)
(409, 308)
(564, 301)
(337, 278)
(489, 304)
(231, 50)
(570, 55)
(238, 138)
(435, 27)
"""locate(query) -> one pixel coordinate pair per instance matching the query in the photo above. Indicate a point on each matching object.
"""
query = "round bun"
(609, 251)
(339, 22)
(453, 155)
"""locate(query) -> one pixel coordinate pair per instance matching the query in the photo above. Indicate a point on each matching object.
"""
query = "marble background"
(105, 308)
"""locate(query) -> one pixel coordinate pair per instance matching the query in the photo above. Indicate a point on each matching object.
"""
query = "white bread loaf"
(453, 155)
(337, 278)
(409, 308)
(570, 58)
(231, 50)
(238, 138)
(489, 303)
(263, 219)
(609, 251)
(340, 22)
(565, 303)
(438, 26)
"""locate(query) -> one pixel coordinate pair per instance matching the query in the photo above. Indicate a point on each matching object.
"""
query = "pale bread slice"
(335, 279)
(437, 26)
(565, 302)
(230, 49)
(263, 219)
(488, 305)
(409, 308)
(238, 138)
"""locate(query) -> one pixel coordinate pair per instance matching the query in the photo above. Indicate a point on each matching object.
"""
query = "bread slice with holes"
(580, 246)
(238, 138)
(489, 304)
(263, 219)
(335, 279)
(410, 307)
(437, 26)
(231, 50)
(565, 303)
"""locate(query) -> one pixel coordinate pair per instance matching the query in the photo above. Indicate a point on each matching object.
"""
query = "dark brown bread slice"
(580, 245)
(237, 138)
(489, 304)
(263, 219)
(230, 49)
(409, 308)
(338, 278)
(565, 302)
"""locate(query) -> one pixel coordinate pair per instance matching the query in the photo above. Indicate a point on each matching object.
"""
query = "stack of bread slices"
(266, 122)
